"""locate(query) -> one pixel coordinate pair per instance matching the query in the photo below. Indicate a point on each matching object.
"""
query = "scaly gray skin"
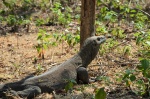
(55, 78)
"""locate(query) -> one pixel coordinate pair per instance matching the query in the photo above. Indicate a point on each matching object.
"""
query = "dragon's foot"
(82, 75)
(29, 92)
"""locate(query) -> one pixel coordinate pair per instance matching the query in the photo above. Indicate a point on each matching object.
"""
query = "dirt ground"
(17, 60)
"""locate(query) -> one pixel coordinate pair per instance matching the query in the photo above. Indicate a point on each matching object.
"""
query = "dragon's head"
(94, 41)
(90, 49)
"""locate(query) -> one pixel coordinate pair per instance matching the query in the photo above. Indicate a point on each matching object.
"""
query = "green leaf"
(69, 86)
(38, 48)
(133, 11)
(108, 17)
(42, 31)
(128, 71)
(100, 94)
(45, 46)
(7, 4)
(132, 78)
(47, 36)
(139, 67)
(53, 44)
(99, 78)
(39, 37)
(127, 83)
(27, 1)
(140, 82)
(1, 18)
(127, 50)
(69, 42)
(125, 76)
(145, 63)
(138, 40)
(73, 81)
(147, 74)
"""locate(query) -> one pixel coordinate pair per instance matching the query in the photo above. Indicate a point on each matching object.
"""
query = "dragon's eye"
(98, 38)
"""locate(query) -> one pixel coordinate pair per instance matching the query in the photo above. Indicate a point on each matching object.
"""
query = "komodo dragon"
(55, 78)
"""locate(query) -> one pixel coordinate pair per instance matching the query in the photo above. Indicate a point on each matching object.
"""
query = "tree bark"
(87, 27)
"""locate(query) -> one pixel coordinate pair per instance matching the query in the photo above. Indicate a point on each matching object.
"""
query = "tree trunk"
(87, 27)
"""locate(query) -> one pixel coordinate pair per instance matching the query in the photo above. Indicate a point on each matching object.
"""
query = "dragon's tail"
(16, 86)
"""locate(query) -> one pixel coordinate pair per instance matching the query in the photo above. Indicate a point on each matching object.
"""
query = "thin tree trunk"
(87, 27)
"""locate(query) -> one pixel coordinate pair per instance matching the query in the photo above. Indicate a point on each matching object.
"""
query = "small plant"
(129, 77)
(70, 84)
(39, 22)
(100, 28)
(143, 42)
(11, 15)
(9, 4)
(106, 79)
(59, 16)
(126, 51)
(110, 44)
(71, 39)
(142, 83)
(100, 94)
(145, 67)
(43, 42)
(39, 68)
(118, 32)
(111, 16)
(44, 4)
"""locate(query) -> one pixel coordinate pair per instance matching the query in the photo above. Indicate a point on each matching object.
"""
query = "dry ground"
(18, 52)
